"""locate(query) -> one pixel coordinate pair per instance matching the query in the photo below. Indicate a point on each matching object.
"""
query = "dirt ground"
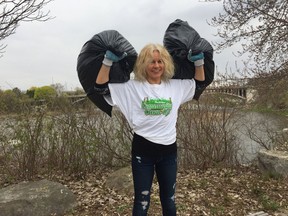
(216, 191)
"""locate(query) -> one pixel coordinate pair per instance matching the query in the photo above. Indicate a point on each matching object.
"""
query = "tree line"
(14, 100)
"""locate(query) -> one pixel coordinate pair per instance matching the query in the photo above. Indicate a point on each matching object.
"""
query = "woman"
(150, 104)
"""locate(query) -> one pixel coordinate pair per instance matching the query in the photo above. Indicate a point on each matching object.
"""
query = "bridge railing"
(235, 87)
(229, 82)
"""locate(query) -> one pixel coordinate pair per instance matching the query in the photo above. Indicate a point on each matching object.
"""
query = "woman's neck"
(152, 81)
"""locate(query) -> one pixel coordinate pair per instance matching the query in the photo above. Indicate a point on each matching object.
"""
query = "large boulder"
(273, 162)
(39, 198)
(121, 181)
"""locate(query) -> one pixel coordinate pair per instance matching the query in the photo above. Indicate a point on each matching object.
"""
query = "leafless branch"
(13, 12)
(260, 26)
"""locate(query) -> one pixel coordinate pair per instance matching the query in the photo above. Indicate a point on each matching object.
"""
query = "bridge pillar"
(251, 95)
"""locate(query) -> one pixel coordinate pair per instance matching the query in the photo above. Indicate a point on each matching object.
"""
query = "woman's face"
(155, 69)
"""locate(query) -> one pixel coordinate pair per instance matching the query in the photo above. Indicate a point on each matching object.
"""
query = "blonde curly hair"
(145, 57)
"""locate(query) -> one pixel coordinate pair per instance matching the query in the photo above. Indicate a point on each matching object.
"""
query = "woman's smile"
(155, 69)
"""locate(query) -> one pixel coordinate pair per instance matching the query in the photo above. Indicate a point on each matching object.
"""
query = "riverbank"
(236, 191)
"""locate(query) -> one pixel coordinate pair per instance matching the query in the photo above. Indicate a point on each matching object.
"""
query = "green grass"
(268, 203)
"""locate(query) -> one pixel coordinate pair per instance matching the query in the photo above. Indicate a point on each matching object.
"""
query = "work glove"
(110, 57)
(197, 59)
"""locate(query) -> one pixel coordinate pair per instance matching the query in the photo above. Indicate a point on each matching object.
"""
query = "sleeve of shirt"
(188, 87)
(119, 97)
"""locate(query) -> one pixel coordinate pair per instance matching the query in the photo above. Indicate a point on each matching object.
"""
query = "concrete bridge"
(234, 87)
(240, 92)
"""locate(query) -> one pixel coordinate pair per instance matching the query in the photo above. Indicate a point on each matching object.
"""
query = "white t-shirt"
(152, 109)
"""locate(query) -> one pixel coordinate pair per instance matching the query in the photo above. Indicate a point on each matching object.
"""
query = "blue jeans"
(143, 172)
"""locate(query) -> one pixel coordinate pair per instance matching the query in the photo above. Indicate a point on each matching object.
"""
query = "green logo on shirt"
(156, 106)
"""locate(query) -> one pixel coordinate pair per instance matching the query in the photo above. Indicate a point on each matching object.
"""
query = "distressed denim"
(143, 169)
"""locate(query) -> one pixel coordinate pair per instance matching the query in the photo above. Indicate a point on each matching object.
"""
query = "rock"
(273, 162)
(261, 213)
(121, 181)
(39, 198)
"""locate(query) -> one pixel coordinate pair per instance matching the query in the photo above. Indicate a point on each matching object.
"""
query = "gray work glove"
(110, 57)
(197, 59)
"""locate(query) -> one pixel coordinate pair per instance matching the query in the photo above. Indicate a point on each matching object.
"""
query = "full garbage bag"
(179, 38)
(90, 60)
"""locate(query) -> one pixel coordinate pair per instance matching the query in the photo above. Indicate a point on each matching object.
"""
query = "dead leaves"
(213, 192)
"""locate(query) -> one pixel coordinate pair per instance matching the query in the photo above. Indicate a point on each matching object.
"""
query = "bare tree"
(12, 12)
(261, 26)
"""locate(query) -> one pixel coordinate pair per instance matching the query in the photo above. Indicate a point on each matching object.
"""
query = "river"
(256, 130)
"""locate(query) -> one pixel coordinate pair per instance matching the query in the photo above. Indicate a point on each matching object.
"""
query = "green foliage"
(44, 93)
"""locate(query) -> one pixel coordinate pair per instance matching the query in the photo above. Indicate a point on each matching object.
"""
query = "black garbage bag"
(90, 60)
(179, 38)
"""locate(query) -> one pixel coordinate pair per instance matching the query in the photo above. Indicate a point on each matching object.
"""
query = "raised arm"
(103, 75)
(199, 75)
(109, 58)
(198, 61)
(102, 79)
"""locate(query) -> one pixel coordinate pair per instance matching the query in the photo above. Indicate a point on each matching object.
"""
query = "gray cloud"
(45, 53)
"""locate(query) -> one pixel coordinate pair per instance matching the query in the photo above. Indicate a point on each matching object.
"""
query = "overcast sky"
(45, 53)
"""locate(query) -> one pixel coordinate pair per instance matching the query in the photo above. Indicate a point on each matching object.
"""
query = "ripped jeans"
(143, 172)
